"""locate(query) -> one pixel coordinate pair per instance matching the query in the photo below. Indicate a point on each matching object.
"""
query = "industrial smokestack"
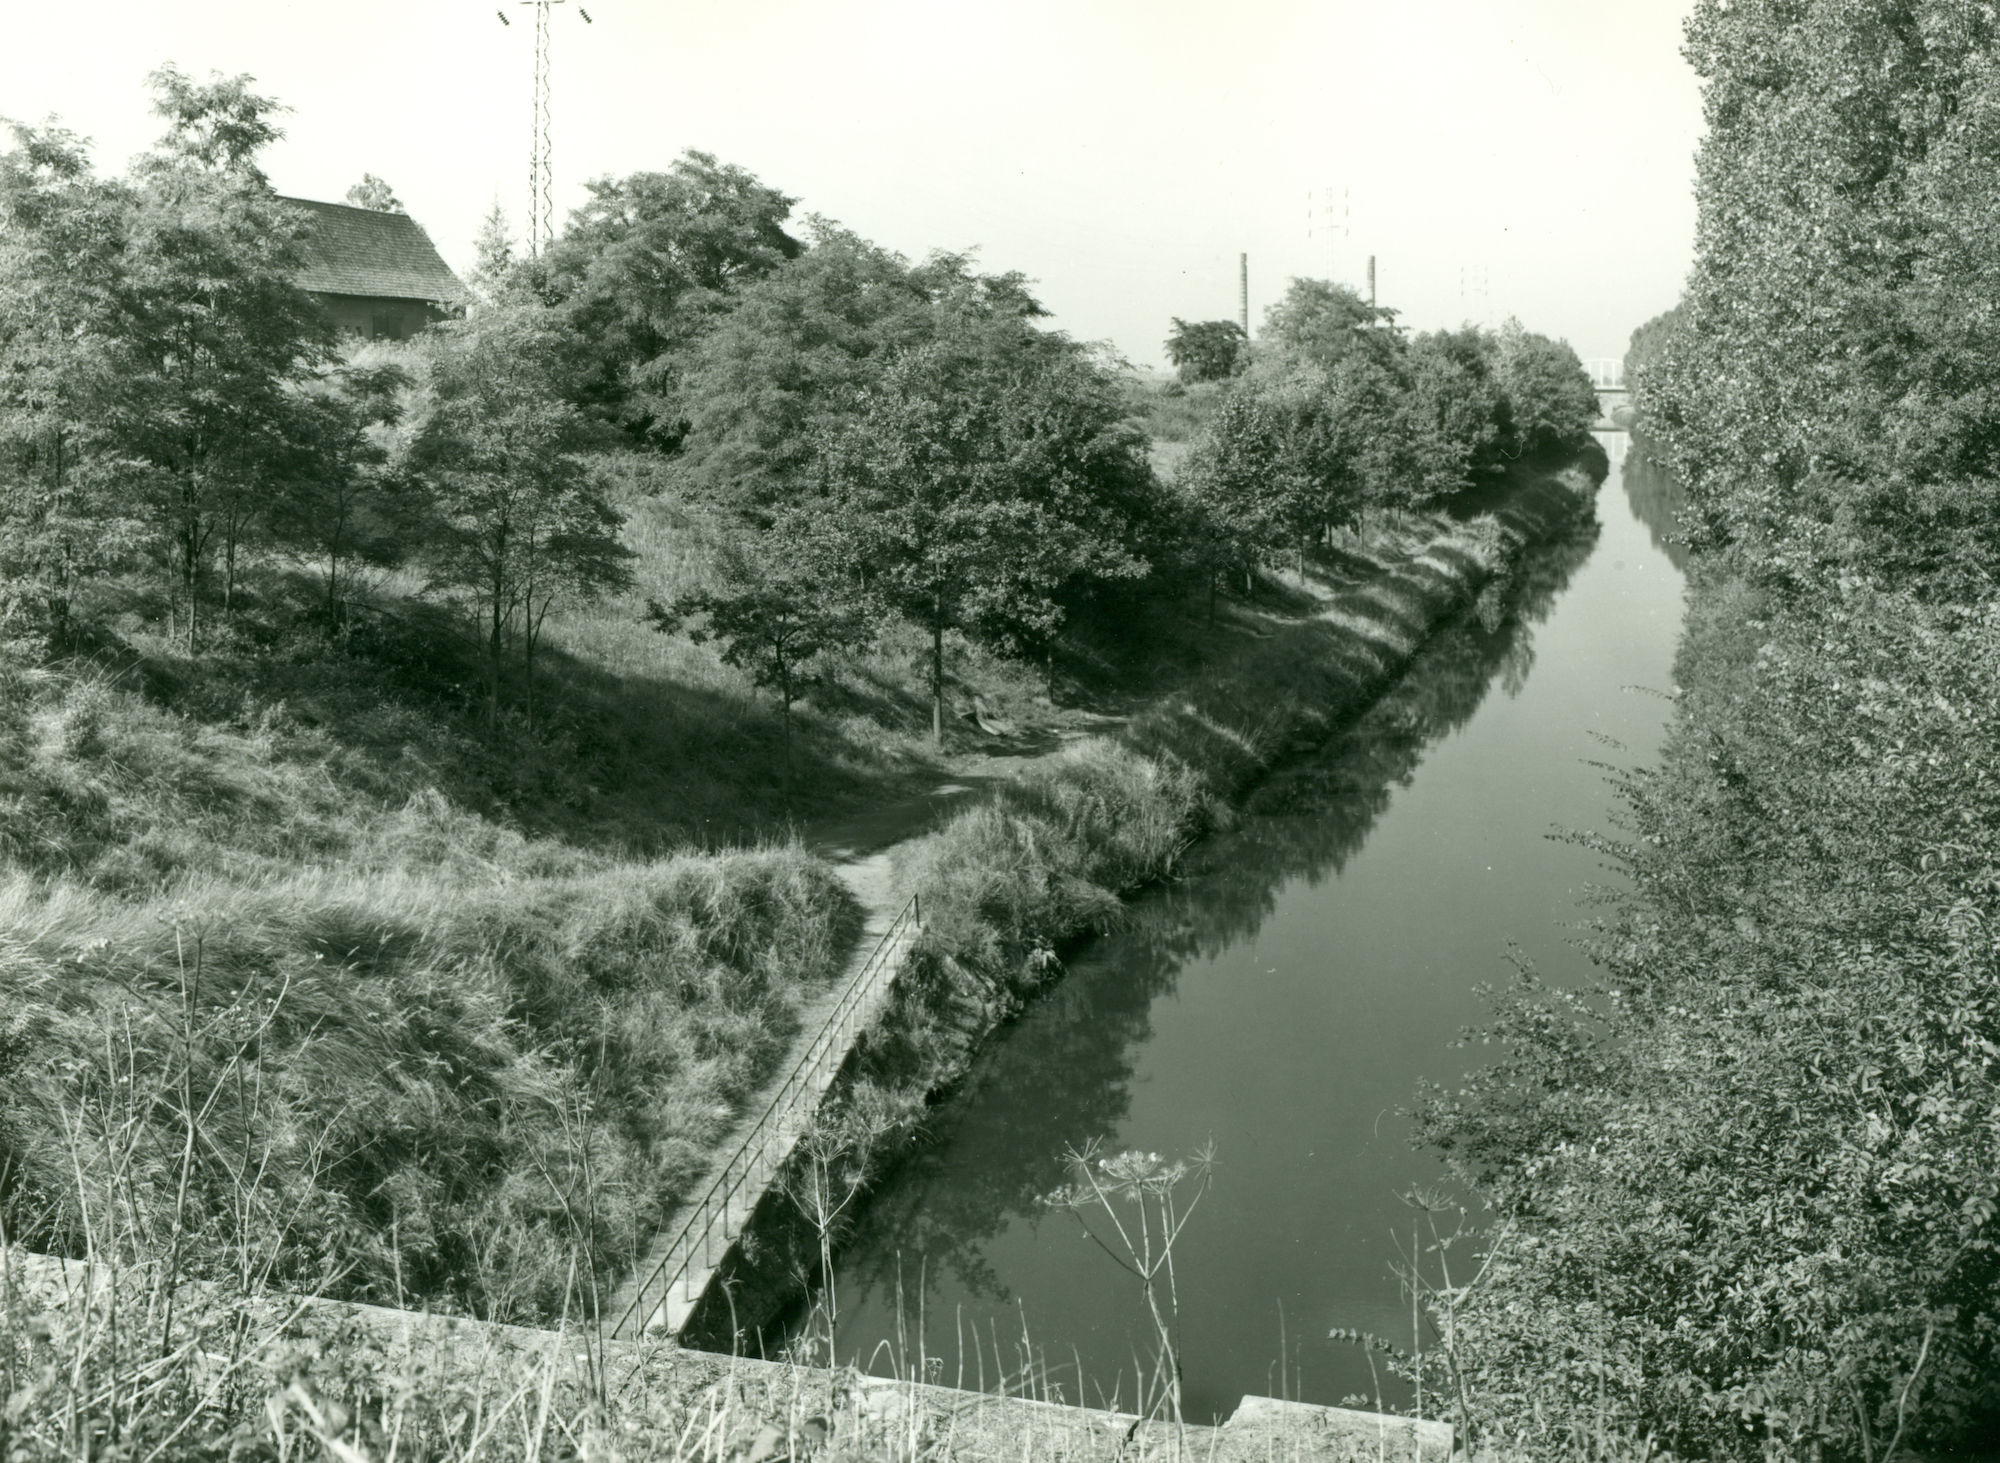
(1243, 291)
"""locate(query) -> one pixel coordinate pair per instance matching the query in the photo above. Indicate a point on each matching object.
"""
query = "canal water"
(1281, 1003)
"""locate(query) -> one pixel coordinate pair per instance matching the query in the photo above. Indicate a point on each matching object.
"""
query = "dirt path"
(850, 837)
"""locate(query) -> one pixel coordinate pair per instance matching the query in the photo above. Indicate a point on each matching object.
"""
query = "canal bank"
(1010, 886)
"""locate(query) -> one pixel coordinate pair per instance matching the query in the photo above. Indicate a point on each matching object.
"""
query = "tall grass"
(1172, 413)
(117, 1362)
(407, 1088)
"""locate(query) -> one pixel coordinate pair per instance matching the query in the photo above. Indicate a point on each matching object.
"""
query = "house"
(378, 274)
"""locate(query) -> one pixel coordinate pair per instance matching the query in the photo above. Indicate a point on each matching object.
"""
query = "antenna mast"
(541, 166)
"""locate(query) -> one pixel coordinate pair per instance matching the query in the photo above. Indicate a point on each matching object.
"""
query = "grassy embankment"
(1008, 884)
(311, 975)
(472, 1084)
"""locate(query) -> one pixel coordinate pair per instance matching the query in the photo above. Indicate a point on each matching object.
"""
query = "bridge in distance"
(1614, 398)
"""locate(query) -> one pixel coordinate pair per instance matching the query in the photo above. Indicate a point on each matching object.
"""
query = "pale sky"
(1513, 157)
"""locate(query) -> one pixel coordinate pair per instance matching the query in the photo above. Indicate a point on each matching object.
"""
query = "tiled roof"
(359, 251)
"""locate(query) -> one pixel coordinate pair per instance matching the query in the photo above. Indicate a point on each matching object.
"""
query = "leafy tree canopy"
(1550, 400)
(62, 241)
(372, 192)
(802, 345)
(219, 124)
(1318, 323)
(644, 268)
(1456, 414)
(1207, 350)
(212, 337)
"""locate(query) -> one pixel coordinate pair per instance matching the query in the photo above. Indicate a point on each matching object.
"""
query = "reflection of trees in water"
(1657, 499)
(1069, 1056)
(1065, 1068)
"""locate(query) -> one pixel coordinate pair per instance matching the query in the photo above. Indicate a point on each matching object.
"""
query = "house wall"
(374, 318)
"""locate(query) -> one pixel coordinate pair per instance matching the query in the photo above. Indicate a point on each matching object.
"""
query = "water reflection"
(1068, 1069)
(1657, 498)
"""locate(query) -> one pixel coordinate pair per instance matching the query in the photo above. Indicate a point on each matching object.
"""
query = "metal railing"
(1607, 373)
(696, 1244)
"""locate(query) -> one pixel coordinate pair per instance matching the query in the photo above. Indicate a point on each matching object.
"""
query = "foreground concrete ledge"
(788, 1409)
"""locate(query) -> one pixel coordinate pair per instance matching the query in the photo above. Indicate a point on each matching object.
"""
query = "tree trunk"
(493, 653)
(937, 671)
(334, 541)
(190, 586)
(785, 691)
(530, 632)
(531, 637)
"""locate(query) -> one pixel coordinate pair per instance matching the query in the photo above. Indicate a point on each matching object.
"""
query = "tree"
(1365, 401)
(519, 521)
(1226, 483)
(212, 338)
(1456, 416)
(1208, 350)
(1549, 398)
(802, 346)
(1298, 450)
(786, 603)
(642, 271)
(339, 499)
(1319, 323)
(1826, 398)
(217, 126)
(372, 192)
(61, 238)
(492, 254)
(1303, 492)
(967, 487)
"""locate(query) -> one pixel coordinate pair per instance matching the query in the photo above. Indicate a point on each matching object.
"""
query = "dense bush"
(1751, 1180)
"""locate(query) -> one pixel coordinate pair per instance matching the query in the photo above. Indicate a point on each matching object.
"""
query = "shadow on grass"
(624, 763)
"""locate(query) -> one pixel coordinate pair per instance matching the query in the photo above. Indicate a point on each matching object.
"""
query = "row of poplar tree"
(881, 437)
(1746, 1193)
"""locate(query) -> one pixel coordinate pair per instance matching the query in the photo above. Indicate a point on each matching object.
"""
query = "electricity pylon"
(541, 168)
